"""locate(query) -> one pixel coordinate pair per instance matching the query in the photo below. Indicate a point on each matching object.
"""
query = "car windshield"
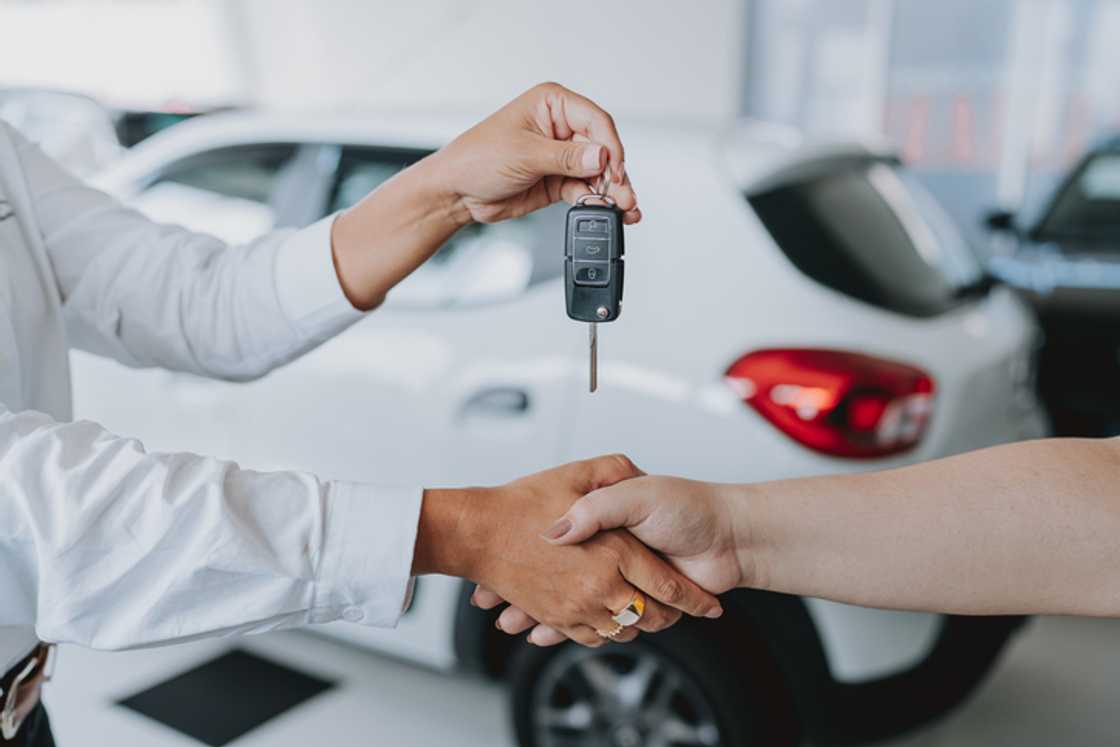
(1088, 206)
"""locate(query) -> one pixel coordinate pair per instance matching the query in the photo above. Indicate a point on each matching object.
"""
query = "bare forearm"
(393, 230)
(450, 538)
(541, 147)
(1026, 528)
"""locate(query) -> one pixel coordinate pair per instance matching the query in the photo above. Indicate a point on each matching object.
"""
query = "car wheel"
(679, 688)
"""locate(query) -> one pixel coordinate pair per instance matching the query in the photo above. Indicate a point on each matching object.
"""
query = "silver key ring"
(600, 192)
(605, 198)
(604, 183)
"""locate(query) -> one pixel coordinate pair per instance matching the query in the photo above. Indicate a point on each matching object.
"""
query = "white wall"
(123, 52)
(662, 59)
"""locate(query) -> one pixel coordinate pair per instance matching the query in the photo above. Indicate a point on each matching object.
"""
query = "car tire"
(699, 687)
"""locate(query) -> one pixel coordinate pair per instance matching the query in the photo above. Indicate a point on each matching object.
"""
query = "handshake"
(549, 545)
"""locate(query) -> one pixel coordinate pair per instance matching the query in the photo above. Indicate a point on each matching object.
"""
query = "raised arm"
(157, 295)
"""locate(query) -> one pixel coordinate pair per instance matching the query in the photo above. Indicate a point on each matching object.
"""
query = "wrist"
(744, 507)
(382, 239)
(437, 174)
(451, 538)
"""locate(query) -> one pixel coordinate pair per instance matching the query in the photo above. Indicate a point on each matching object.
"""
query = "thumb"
(569, 158)
(619, 506)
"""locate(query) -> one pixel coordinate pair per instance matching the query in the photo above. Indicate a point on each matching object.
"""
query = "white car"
(790, 310)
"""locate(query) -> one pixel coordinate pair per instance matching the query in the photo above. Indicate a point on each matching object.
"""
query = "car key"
(593, 267)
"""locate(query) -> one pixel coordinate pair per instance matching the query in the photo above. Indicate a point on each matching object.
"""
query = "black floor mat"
(227, 697)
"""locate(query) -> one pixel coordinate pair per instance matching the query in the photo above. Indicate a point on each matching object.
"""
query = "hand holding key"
(548, 144)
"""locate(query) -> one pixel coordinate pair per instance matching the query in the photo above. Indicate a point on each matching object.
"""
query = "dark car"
(1066, 262)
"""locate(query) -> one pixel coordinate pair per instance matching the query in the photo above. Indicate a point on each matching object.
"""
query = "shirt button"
(352, 614)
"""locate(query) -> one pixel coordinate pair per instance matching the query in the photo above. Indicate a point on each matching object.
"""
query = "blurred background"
(987, 102)
(920, 199)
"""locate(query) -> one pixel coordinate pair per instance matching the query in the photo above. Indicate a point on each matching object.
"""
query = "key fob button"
(597, 250)
(592, 273)
(592, 225)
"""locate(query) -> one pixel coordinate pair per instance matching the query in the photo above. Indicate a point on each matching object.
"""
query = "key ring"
(605, 198)
(604, 183)
(600, 192)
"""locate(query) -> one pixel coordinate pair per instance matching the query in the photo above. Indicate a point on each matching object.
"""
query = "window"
(1088, 208)
(227, 192)
(873, 235)
(480, 263)
(136, 126)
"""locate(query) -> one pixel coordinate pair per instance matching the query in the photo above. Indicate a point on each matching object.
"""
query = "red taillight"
(844, 404)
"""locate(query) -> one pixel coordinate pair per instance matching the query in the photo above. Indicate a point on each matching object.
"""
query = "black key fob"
(593, 265)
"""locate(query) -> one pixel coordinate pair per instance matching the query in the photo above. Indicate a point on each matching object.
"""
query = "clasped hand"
(688, 523)
(494, 537)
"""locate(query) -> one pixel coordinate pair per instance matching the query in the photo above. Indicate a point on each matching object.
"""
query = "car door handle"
(497, 402)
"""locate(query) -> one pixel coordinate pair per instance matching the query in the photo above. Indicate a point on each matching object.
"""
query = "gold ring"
(612, 633)
(633, 612)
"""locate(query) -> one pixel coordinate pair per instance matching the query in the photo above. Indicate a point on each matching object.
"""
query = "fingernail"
(714, 613)
(557, 530)
(498, 625)
(593, 158)
(474, 602)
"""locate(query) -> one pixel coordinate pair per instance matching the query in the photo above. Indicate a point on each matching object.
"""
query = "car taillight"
(840, 403)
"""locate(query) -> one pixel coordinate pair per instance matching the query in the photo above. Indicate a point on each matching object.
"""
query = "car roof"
(753, 154)
(761, 155)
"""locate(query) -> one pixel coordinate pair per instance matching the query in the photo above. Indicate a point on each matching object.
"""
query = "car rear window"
(869, 231)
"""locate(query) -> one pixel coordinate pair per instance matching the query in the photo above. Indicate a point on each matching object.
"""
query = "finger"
(573, 113)
(630, 217)
(514, 621)
(657, 617)
(566, 157)
(546, 635)
(627, 635)
(612, 468)
(485, 599)
(591, 474)
(658, 580)
(623, 195)
(571, 190)
(623, 636)
(623, 505)
(585, 635)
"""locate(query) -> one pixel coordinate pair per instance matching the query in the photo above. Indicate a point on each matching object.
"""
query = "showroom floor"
(1056, 686)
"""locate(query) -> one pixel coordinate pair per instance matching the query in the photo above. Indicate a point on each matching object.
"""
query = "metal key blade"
(593, 339)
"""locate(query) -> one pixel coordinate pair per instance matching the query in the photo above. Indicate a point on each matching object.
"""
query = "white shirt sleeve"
(106, 545)
(150, 294)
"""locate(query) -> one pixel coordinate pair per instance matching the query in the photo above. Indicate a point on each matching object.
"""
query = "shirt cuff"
(365, 574)
(307, 284)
